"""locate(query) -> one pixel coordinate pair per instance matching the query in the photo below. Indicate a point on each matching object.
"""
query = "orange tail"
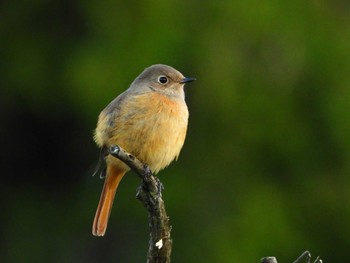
(106, 200)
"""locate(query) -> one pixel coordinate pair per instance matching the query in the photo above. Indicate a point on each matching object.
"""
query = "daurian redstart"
(149, 120)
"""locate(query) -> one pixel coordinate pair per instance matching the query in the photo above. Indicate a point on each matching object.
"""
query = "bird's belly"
(162, 143)
(155, 135)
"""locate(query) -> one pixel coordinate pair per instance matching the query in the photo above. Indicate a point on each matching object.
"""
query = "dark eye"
(162, 79)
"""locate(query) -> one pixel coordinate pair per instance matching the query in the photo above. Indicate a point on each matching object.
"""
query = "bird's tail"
(106, 200)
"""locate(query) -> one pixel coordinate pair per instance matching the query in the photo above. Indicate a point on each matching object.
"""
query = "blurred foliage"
(266, 164)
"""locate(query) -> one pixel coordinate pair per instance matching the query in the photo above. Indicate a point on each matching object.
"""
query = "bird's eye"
(162, 80)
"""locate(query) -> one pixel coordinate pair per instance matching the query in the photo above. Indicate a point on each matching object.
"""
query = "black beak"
(186, 80)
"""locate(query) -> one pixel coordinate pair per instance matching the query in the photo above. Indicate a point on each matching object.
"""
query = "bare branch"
(303, 258)
(149, 193)
(268, 260)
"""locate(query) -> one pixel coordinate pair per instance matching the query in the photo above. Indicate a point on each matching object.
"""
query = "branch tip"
(114, 150)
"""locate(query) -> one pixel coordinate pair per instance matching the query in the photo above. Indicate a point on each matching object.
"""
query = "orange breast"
(151, 126)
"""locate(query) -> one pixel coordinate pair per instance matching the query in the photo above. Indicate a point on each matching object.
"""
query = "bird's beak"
(186, 80)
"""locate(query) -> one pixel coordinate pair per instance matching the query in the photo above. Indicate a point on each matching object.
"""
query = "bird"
(149, 120)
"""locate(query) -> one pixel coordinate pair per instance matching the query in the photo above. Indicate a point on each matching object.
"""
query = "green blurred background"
(265, 169)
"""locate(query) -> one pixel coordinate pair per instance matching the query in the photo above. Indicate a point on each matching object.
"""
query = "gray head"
(161, 78)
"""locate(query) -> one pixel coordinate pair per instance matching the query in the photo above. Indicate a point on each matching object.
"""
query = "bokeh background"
(265, 169)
